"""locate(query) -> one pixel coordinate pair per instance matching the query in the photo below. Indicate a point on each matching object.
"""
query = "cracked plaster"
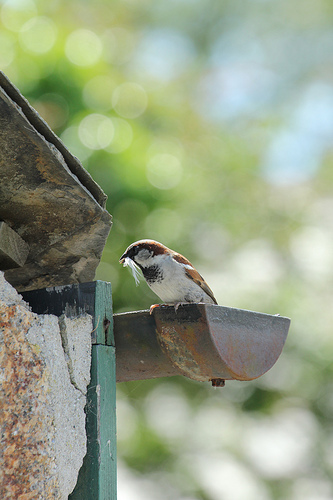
(44, 370)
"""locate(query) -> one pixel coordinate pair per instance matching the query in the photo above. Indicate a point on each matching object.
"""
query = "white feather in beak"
(135, 270)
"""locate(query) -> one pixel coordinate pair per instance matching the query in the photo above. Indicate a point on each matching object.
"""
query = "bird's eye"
(144, 254)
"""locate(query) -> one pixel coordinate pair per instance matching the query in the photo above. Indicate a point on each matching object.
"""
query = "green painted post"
(103, 315)
(98, 474)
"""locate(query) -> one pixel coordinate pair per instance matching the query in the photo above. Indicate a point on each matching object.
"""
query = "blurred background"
(209, 124)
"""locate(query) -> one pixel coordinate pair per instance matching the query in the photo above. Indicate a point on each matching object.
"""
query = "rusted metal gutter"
(201, 341)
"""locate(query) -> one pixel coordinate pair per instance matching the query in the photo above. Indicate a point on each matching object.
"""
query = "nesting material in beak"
(135, 270)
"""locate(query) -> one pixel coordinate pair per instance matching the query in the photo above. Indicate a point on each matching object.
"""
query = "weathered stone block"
(42, 395)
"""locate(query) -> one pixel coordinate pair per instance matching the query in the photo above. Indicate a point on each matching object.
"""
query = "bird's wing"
(193, 274)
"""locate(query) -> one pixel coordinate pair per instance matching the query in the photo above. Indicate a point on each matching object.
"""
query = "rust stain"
(187, 343)
(215, 343)
(179, 349)
(201, 341)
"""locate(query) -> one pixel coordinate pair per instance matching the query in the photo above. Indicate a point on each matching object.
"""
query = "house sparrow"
(170, 275)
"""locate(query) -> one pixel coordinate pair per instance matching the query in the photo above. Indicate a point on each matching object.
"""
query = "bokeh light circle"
(83, 47)
(119, 44)
(96, 131)
(15, 13)
(122, 137)
(38, 35)
(129, 100)
(164, 171)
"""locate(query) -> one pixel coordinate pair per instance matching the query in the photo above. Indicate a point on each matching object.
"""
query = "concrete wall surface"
(44, 373)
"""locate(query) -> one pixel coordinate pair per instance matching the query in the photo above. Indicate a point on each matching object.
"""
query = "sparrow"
(170, 275)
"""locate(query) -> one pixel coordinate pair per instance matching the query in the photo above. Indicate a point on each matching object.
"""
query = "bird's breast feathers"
(178, 281)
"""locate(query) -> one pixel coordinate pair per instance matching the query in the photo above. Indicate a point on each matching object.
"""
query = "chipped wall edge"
(44, 373)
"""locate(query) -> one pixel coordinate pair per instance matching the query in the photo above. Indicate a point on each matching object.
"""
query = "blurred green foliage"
(209, 124)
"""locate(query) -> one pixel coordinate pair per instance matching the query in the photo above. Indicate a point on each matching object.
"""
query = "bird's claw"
(152, 307)
(176, 306)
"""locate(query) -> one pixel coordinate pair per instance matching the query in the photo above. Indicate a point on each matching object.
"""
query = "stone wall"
(44, 373)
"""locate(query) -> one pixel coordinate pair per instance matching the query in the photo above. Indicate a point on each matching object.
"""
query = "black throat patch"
(152, 274)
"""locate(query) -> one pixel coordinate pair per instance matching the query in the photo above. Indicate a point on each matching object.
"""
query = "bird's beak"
(122, 258)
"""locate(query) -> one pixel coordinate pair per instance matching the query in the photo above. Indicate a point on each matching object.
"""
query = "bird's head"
(143, 252)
